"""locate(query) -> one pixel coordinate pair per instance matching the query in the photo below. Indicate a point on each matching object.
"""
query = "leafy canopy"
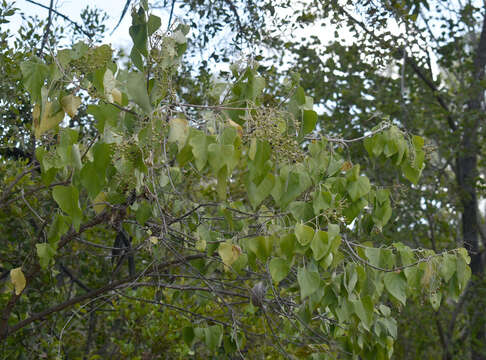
(207, 201)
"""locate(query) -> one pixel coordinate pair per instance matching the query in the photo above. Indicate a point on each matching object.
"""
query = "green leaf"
(256, 194)
(104, 114)
(188, 335)
(213, 336)
(304, 234)
(46, 253)
(220, 155)
(322, 201)
(463, 273)
(447, 266)
(222, 177)
(412, 174)
(309, 121)
(287, 245)
(354, 209)
(76, 162)
(279, 268)
(199, 143)
(261, 246)
(373, 255)
(91, 179)
(259, 153)
(137, 91)
(320, 245)
(34, 75)
(137, 59)
(396, 285)
(378, 144)
(333, 231)
(359, 188)
(229, 135)
(143, 212)
(390, 324)
(463, 253)
(335, 165)
(240, 263)
(364, 310)
(382, 214)
(153, 24)
(58, 228)
(385, 310)
(138, 31)
(353, 173)
(309, 282)
(293, 185)
(67, 197)
(300, 95)
(350, 278)
(301, 210)
(101, 157)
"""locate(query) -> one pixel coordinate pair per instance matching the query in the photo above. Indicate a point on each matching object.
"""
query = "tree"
(235, 226)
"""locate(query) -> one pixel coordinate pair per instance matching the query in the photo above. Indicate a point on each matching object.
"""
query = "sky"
(72, 8)
(114, 8)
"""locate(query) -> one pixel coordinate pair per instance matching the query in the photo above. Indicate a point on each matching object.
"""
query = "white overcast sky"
(72, 9)
(114, 8)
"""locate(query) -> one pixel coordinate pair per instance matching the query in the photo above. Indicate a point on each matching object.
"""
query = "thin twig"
(30, 207)
(84, 297)
(398, 268)
(76, 25)
(347, 141)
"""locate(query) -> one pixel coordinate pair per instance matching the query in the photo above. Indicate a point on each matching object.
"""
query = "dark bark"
(467, 173)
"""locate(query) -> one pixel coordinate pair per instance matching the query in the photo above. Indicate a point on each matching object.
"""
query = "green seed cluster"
(334, 214)
(164, 57)
(95, 58)
(278, 128)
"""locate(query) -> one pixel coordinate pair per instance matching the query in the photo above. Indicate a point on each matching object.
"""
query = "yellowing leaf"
(201, 244)
(70, 104)
(36, 112)
(97, 202)
(346, 166)
(117, 95)
(238, 127)
(109, 83)
(229, 253)
(50, 118)
(154, 240)
(18, 280)
(179, 131)
(435, 298)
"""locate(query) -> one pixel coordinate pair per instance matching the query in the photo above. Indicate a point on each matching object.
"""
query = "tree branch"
(48, 29)
(89, 295)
